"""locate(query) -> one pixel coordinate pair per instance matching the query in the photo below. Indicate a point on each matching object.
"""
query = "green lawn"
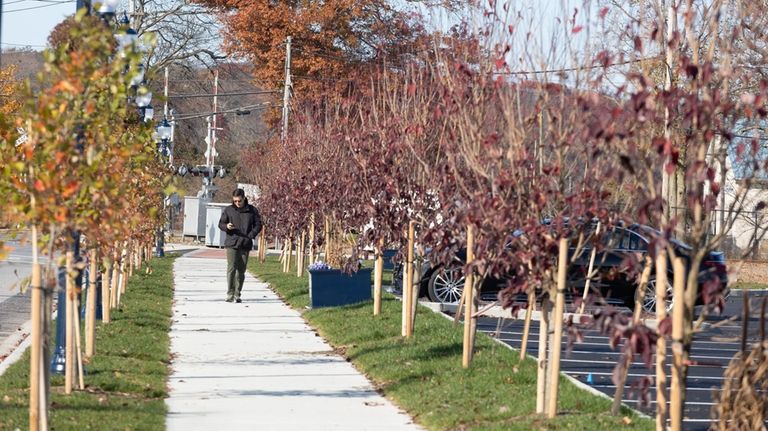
(126, 379)
(424, 375)
(748, 285)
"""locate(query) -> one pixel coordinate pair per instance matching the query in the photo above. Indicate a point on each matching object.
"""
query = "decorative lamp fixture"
(143, 97)
(149, 113)
(107, 9)
(126, 37)
(164, 130)
(138, 78)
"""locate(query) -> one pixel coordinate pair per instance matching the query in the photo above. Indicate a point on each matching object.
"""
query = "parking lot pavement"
(594, 360)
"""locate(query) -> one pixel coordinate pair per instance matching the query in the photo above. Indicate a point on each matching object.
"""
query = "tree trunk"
(556, 347)
(415, 277)
(677, 389)
(469, 302)
(661, 342)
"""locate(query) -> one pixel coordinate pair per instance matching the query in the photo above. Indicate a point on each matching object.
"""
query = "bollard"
(85, 293)
(59, 357)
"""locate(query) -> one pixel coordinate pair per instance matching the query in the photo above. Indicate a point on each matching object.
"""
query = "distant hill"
(27, 62)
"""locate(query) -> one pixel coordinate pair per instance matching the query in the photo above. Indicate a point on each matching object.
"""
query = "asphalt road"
(14, 305)
(713, 349)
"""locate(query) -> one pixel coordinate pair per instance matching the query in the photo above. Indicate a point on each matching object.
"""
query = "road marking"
(584, 373)
(586, 343)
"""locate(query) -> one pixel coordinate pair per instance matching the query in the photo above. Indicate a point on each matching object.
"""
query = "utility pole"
(213, 132)
(287, 89)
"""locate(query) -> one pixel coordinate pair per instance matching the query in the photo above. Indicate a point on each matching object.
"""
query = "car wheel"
(446, 285)
(649, 299)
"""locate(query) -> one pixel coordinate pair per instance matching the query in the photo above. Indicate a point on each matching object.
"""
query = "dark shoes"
(238, 300)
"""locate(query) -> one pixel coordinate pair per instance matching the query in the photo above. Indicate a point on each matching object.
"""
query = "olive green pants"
(237, 260)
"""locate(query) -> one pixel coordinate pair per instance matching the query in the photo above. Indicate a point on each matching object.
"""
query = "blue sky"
(28, 22)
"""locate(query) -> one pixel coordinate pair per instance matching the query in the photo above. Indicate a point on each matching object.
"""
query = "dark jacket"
(247, 223)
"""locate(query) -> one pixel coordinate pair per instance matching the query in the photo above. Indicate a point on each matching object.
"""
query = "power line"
(22, 45)
(41, 6)
(228, 111)
(577, 68)
(243, 93)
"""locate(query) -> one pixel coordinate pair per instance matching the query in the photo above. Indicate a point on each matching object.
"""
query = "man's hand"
(230, 226)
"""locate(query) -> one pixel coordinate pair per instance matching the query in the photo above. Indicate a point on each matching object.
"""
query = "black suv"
(445, 284)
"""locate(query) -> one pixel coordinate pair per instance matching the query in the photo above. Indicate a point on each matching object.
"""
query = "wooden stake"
(123, 271)
(661, 342)
(69, 352)
(45, 369)
(527, 325)
(405, 296)
(469, 302)
(131, 258)
(115, 280)
(105, 294)
(676, 395)
(378, 271)
(290, 254)
(311, 238)
(557, 318)
(90, 312)
(36, 350)
(300, 254)
(408, 290)
(541, 372)
(589, 273)
(327, 238)
(78, 351)
(619, 394)
(263, 244)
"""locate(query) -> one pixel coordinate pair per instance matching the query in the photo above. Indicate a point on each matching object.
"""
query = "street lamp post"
(163, 147)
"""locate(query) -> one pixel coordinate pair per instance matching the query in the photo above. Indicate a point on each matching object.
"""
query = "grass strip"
(424, 376)
(125, 380)
(749, 285)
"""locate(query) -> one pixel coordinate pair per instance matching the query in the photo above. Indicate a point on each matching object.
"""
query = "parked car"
(445, 284)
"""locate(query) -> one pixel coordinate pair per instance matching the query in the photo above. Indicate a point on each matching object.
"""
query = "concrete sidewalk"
(257, 365)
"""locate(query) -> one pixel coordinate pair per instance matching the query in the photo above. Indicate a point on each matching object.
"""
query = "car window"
(636, 242)
(622, 239)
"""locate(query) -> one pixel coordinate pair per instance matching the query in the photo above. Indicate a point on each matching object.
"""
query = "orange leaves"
(40, 186)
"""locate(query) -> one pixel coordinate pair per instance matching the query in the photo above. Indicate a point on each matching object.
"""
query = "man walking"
(242, 223)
